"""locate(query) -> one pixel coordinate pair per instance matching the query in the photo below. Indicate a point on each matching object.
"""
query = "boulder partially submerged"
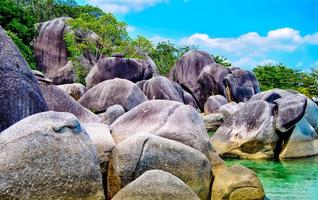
(273, 124)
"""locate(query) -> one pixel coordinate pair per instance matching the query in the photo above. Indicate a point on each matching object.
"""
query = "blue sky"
(247, 32)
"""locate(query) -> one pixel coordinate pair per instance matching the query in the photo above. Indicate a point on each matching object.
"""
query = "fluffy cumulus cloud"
(124, 6)
(251, 48)
(285, 39)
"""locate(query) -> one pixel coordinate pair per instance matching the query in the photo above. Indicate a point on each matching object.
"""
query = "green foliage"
(279, 76)
(222, 61)
(24, 49)
(165, 55)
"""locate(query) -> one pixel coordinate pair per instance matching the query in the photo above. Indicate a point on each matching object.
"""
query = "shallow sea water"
(290, 179)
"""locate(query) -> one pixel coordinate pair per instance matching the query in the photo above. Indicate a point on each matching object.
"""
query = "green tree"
(19, 24)
(222, 61)
(279, 76)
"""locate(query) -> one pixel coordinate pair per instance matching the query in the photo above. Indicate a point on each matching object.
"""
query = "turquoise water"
(292, 179)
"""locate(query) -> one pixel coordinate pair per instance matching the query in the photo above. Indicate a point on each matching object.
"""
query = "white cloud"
(284, 39)
(250, 62)
(157, 38)
(131, 29)
(124, 6)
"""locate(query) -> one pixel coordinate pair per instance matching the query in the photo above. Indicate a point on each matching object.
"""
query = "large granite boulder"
(142, 152)
(212, 82)
(104, 143)
(20, 95)
(168, 119)
(237, 183)
(213, 104)
(160, 87)
(272, 124)
(248, 133)
(241, 85)
(154, 185)
(198, 73)
(289, 111)
(75, 90)
(117, 67)
(303, 139)
(111, 114)
(51, 53)
(57, 100)
(111, 92)
(187, 70)
(48, 155)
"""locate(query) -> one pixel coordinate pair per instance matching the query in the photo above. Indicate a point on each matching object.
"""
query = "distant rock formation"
(51, 53)
(20, 95)
(198, 74)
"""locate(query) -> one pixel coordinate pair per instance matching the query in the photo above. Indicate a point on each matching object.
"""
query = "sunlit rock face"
(20, 95)
(118, 67)
(198, 74)
(273, 124)
(51, 52)
(49, 155)
(156, 184)
(113, 92)
(142, 152)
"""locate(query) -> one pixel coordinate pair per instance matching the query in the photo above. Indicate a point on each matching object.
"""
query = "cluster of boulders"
(273, 124)
(133, 134)
(114, 139)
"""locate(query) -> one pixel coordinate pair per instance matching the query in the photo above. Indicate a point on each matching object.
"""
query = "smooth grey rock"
(241, 85)
(213, 121)
(20, 95)
(290, 110)
(112, 92)
(303, 141)
(48, 155)
(50, 51)
(187, 70)
(214, 103)
(160, 87)
(167, 119)
(154, 185)
(248, 133)
(229, 109)
(111, 114)
(112, 67)
(59, 101)
(142, 152)
(104, 143)
(75, 90)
